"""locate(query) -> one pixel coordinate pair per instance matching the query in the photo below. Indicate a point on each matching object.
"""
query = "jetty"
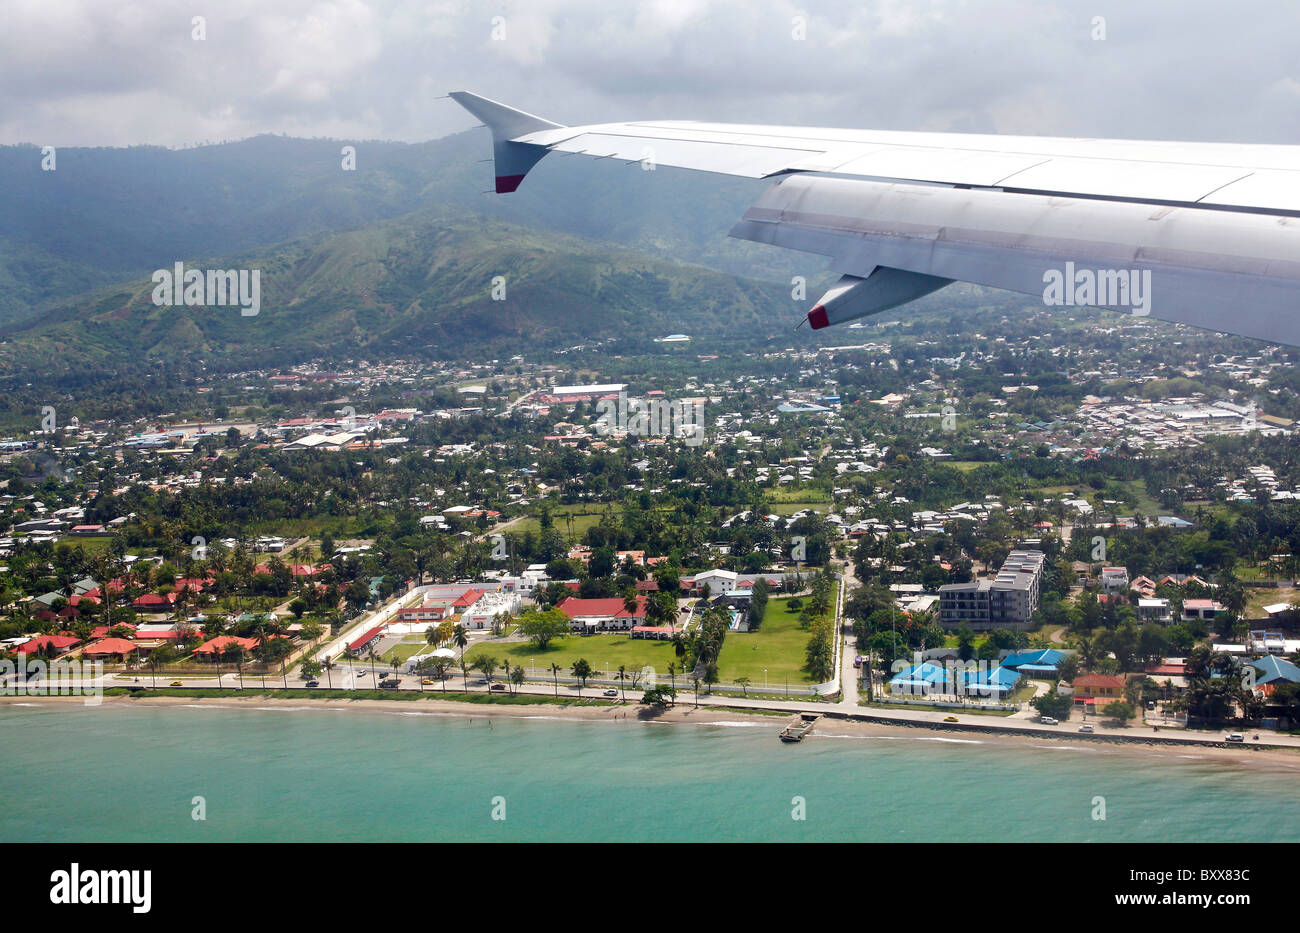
(800, 727)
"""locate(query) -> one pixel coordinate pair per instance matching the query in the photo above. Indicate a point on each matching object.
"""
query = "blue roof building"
(1045, 661)
(1275, 670)
(923, 678)
(994, 684)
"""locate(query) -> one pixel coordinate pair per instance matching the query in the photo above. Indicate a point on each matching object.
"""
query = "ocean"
(127, 774)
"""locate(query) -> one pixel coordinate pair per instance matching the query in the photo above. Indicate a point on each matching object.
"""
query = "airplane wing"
(1205, 234)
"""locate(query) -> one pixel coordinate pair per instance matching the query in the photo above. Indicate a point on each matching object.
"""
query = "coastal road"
(967, 722)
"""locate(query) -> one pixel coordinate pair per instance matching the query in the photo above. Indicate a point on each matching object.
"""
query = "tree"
(543, 627)
(488, 665)
(517, 677)
(440, 667)
(582, 670)
(460, 638)
(1052, 704)
(660, 696)
(744, 684)
(159, 657)
(1120, 710)
(309, 670)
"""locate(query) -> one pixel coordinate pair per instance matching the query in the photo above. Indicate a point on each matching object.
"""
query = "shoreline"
(830, 727)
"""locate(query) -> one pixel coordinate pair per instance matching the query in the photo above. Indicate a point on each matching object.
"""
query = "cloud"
(84, 72)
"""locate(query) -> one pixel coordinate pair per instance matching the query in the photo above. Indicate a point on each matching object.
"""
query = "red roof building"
(215, 646)
(56, 643)
(606, 614)
(1106, 686)
(368, 639)
(111, 647)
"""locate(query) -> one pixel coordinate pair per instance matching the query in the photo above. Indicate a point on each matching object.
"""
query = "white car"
(1086, 727)
(1234, 737)
(1049, 721)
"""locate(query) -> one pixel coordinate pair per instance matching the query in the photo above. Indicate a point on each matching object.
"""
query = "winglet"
(512, 159)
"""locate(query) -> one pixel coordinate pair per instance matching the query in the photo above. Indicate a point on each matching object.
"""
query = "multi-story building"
(1009, 600)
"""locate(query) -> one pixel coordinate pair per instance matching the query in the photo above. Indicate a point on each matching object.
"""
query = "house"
(1044, 662)
(995, 684)
(1274, 670)
(49, 644)
(213, 648)
(921, 679)
(1154, 610)
(1114, 579)
(367, 641)
(602, 615)
(118, 648)
(1200, 609)
(715, 582)
(1093, 691)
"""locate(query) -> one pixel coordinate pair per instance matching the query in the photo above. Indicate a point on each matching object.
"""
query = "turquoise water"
(131, 773)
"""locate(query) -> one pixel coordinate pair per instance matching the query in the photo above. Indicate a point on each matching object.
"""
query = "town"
(1021, 533)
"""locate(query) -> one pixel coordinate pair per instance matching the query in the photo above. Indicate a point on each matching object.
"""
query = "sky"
(129, 72)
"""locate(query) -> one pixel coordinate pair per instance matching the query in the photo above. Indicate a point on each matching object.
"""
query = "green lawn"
(778, 645)
(564, 517)
(412, 644)
(601, 651)
(804, 496)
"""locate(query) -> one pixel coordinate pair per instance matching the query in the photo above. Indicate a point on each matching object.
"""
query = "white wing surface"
(1206, 234)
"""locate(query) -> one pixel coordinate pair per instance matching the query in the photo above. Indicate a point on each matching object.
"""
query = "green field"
(411, 645)
(778, 646)
(566, 518)
(601, 651)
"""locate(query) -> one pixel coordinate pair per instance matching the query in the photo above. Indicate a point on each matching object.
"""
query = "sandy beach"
(828, 729)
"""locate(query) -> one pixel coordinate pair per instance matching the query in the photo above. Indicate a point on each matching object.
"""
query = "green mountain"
(111, 215)
(420, 283)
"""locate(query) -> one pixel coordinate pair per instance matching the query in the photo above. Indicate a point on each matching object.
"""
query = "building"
(1007, 601)
(1092, 692)
(602, 615)
(1042, 662)
(1114, 579)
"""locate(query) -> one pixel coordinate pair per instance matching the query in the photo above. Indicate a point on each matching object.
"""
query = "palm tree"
(460, 639)
(555, 675)
(622, 680)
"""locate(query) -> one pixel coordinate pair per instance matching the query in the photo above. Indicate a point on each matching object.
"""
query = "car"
(1234, 737)
(857, 660)
(1087, 727)
(429, 682)
(611, 693)
(1049, 721)
(363, 673)
(313, 683)
(177, 683)
(1151, 704)
(950, 719)
(498, 686)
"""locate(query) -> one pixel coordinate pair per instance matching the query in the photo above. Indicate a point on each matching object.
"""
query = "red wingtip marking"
(508, 183)
(817, 318)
